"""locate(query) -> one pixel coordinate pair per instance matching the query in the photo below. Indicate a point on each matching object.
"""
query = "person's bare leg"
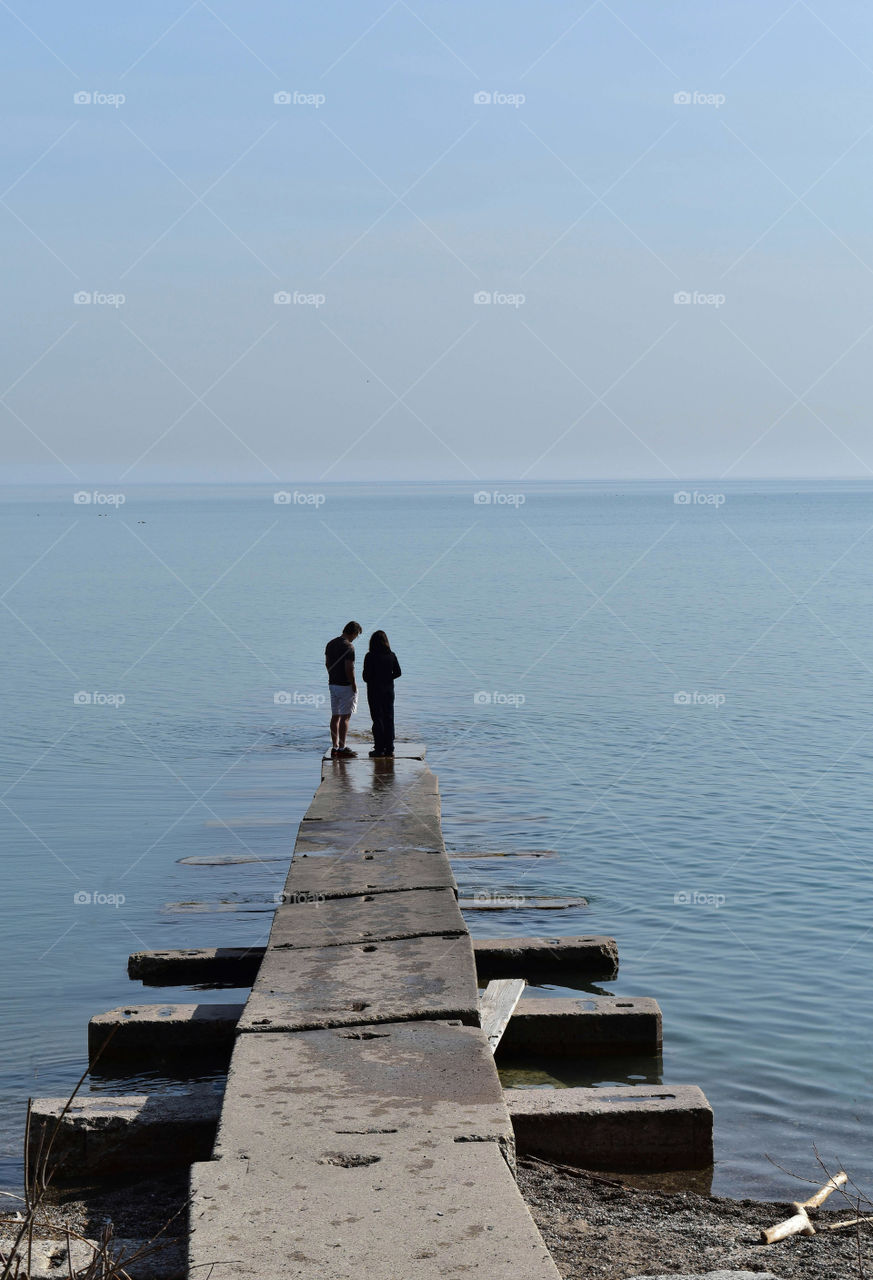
(335, 722)
(342, 729)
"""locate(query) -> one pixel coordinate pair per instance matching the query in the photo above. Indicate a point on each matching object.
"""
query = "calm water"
(724, 838)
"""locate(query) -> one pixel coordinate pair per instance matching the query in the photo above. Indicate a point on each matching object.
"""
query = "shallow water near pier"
(674, 697)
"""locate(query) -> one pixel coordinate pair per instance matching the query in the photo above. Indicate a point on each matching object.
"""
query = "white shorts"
(343, 702)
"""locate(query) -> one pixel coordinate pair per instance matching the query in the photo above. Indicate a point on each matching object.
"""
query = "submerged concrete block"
(103, 1134)
(237, 965)
(411, 978)
(409, 790)
(151, 1030)
(371, 917)
(352, 1087)
(357, 872)
(441, 1211)
(402, 751)
(633, 1129)
(584, 1027)
(532, 958)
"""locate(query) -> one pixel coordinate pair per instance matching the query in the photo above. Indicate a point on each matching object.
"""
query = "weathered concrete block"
(441, 1211)
(51, 1259)
(403, 831)
(379, 982)
(635, 1128)
(371, 917)
(151, 1030)
(532, 958)
(237, 965)
(99, 1133)
(357, 872)
(585, 1027)
(352, 1087)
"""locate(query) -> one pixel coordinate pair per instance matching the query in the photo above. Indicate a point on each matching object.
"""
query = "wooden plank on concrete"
(496, 1006)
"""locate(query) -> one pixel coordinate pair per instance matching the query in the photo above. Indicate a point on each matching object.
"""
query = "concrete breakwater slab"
(532, 958)
(150, 1029)
(448, 1212)
(236, 965)
(378, 982)
(356, 873)
(104, 1134)
(359, 1089)
(358, 792)
(583, 1027)
(402, 751)
(312, 922)
(638, 1128)
(404, 831)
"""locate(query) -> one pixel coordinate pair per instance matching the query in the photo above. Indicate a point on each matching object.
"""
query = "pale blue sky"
(398, 198)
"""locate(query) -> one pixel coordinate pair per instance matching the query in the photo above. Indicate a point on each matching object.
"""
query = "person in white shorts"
(339, 658)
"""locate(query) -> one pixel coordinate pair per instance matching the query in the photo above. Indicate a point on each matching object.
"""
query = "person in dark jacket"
(381, 669)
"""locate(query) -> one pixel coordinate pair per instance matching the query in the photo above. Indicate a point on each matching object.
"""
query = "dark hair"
(352, 629)
(379, 640)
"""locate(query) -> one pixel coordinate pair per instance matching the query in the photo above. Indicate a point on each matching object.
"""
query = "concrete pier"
(363, 1128)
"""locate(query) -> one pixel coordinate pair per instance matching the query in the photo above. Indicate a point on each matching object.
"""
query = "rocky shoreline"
(597, 1228)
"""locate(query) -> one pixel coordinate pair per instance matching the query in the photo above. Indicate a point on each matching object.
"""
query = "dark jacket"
(381, 668)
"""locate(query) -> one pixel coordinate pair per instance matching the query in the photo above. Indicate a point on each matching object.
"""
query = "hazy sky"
(382, 198)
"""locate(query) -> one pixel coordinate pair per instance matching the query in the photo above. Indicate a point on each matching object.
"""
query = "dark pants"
(381, 703)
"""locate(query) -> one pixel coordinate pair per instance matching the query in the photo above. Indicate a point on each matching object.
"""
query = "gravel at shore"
(597, 1229)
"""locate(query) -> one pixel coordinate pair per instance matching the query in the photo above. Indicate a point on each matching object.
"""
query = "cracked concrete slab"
(413, 978)
(357, 873)
(369, 917)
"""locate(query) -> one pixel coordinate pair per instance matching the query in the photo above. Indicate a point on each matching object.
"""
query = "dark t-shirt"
(380, 668)
(336, 654)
